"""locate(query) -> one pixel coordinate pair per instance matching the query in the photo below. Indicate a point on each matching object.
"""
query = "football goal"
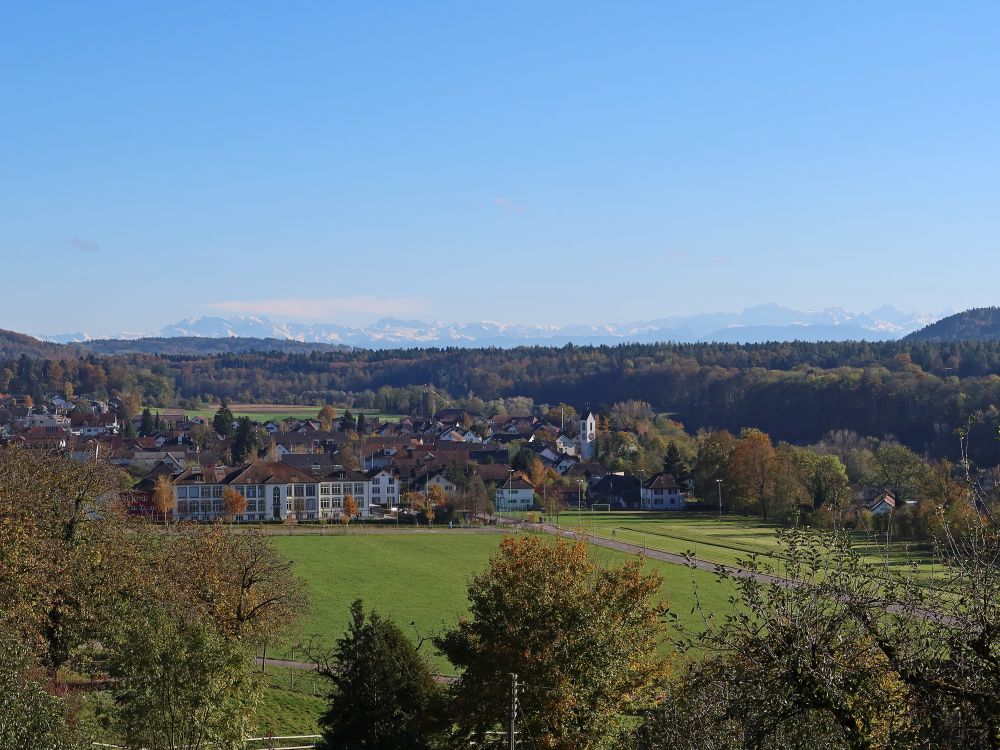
(600, 506)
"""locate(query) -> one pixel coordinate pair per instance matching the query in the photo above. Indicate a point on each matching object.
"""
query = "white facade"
(384, 489)
(332, 493)
(514, 495)
(662, 499)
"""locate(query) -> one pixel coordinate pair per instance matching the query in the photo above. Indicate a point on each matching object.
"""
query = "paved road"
(311, 667)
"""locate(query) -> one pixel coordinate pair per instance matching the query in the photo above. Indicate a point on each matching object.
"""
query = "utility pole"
(512, 731)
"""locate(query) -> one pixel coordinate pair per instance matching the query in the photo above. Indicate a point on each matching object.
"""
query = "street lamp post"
(642, 482)
(642, 475)
(718, 483)
(510, 477)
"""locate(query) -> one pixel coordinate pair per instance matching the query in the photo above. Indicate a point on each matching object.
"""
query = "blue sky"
(551, 162)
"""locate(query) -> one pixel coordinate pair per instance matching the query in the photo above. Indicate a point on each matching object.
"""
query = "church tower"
(588, 435)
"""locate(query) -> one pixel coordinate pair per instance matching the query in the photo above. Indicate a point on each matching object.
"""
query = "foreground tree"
(853, 655)
(69, 570)
(582, 639)
(182, 686)
(237, 580)
(382, 695)
(30, 718)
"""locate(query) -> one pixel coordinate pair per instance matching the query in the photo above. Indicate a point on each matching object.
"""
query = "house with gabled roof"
(662, 492)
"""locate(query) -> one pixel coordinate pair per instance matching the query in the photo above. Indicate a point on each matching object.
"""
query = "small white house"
(565, 444)
(384, 488)
(662, 492)
(515, 494)
(882, 504)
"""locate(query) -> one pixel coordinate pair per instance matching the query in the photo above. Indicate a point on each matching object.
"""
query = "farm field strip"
(267, 412)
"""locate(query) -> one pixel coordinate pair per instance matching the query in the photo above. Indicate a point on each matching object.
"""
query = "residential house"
(516, 493)
(385, 487)
(662, 492)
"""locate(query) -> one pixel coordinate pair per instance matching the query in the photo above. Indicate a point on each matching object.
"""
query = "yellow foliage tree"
(163, 496)
(597, 662)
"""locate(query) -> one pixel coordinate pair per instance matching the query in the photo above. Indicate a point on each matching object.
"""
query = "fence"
(255, 743)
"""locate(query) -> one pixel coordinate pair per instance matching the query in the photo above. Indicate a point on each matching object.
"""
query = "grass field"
(420, 580)
(266, 412)
(727, 542)
(291, 710)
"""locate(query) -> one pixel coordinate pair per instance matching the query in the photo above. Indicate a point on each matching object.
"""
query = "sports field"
(420, 579)
(728, 541)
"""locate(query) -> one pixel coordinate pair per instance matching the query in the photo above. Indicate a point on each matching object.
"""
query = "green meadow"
(420, 580)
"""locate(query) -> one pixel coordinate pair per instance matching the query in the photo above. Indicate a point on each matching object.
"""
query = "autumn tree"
(818, 664)
(233, 502)
(326, 417)
(436, 495)
(70, 568)
(823, 477)
(202, 436)
(350, 510)
(752, 468)
(715, 449)
(237, 580)
(582, 639)
(163, 496)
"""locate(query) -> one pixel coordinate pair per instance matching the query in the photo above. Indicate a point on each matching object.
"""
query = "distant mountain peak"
(764, 322)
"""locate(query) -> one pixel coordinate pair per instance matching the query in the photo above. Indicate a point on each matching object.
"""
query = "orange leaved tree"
(234, 503)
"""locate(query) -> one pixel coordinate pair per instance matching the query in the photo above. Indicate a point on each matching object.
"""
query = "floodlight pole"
(718, 483)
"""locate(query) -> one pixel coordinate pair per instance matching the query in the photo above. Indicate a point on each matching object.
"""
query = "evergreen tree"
(347, 423)
(383, 695)
(246, 441)
(674, 464)
(362, 424)
(146, 423)
(223, 421)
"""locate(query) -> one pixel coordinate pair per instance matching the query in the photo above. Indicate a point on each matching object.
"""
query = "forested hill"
(201, 345)
(918, 392)
(15, 344)
(978, 324)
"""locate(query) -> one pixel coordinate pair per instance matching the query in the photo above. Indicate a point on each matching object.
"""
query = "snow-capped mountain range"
(769, 322)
